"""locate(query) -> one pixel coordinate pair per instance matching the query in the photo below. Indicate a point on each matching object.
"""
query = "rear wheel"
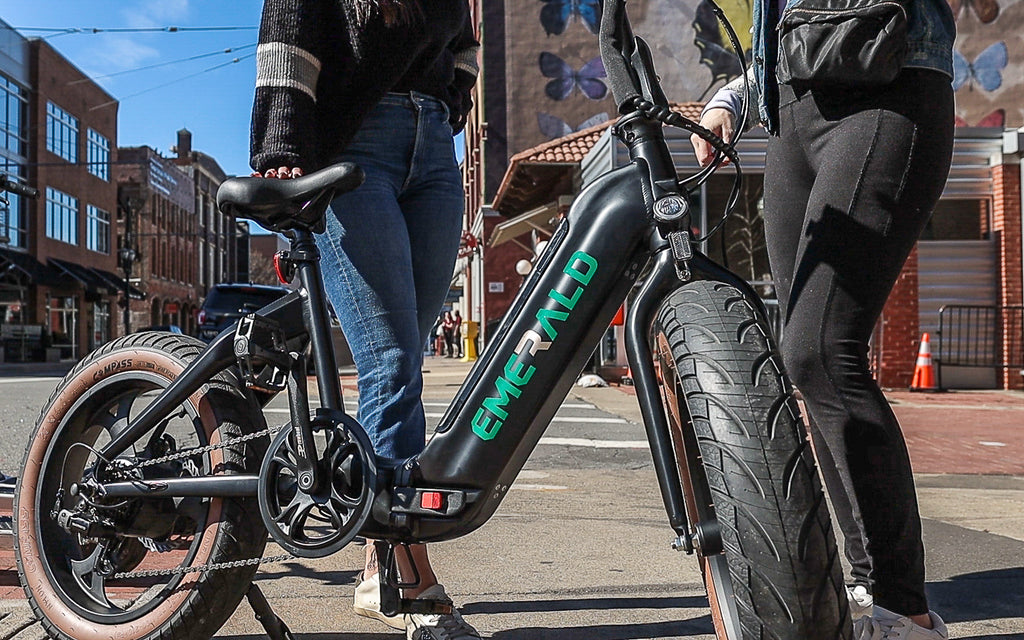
(74, 576)
(747, 471)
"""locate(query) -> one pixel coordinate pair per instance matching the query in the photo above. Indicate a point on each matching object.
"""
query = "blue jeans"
(388, 254)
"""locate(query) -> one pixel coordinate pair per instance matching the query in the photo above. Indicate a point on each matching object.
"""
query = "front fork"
(662, 280)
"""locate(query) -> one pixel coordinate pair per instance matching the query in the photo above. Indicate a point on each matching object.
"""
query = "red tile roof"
(569, 150)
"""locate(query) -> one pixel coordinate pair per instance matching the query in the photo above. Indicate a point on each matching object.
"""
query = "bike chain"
(210, 566)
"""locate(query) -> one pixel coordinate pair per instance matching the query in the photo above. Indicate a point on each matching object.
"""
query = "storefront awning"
(25, 267)
(116, 283)
(89, 280)
(539, 219)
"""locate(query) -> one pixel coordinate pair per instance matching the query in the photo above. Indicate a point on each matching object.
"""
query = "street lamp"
(127, 256)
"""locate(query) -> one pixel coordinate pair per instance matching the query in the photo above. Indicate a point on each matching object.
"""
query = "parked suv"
(226, 303)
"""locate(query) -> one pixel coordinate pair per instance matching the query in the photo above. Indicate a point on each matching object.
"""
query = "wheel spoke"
(89, 578)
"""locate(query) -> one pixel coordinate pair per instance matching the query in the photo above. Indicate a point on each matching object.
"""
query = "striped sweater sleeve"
(467, 67)
(288, 63)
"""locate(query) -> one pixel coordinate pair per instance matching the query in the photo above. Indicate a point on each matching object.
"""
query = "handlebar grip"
(616, 43)
(6, 184)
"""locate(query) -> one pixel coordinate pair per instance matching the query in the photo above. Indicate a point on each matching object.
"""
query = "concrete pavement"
(580, 548)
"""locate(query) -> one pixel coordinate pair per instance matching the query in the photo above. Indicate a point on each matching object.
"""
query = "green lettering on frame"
(543, 317)
(506, 391)
(484, 427)
(568, 303)
(514, 371)
(577, 275)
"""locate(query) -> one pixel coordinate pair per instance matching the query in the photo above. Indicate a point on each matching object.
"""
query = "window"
(100, 324)
(61, 216)
(13, 104)
(98, 155)
(960, 219)
(61, 133)
(97, 229)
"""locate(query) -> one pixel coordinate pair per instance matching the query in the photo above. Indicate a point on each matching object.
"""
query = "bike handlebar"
(617, 45)
(6, 184)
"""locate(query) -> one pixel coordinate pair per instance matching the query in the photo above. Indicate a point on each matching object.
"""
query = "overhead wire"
(73, 30)
(170, 82)
(165, 64)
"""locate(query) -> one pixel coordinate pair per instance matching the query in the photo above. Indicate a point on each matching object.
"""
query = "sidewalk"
(559, 568)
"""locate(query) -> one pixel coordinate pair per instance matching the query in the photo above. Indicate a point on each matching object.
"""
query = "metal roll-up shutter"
(957, 272)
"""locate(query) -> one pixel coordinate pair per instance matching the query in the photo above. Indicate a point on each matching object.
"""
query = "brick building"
(58, 286)
(222, 249)
(969, 256)
(157, 219)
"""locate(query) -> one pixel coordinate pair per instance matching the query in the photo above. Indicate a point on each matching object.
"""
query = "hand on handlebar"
(283, 173)
(719, 121)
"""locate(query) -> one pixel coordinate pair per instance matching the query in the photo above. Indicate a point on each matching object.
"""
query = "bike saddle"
(279, 205)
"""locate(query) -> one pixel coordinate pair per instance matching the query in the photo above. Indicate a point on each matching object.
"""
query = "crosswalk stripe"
(570, 419)
(596, 444)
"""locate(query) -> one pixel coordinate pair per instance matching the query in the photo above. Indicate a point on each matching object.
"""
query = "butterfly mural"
(554, 127)
(566, 79)
(555, 15)
(713, 42)
(986, 10)
(995, 119)
(986, 70)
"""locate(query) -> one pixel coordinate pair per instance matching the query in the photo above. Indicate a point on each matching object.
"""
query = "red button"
(430, 500)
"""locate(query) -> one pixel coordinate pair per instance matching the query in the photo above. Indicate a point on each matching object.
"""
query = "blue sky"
(213, 103)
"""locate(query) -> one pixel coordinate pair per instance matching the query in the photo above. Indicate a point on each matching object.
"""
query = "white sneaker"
(367, 603)
(861, 602)
(449, 626)
(886, 625)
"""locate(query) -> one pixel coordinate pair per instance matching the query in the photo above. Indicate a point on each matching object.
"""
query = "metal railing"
(986, 336)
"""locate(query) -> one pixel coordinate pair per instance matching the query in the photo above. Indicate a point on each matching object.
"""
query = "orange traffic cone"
(924, 373)
(627, 380)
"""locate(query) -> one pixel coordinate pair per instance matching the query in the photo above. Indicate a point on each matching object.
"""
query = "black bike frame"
(607, 242)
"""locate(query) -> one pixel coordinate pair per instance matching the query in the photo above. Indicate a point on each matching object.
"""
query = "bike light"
(430, 500)
(277, 268)
(284, 267)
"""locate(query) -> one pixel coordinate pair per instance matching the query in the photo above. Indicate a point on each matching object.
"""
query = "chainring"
(314, 525)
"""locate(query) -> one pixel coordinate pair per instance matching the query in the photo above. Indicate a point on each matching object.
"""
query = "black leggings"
(850, 182)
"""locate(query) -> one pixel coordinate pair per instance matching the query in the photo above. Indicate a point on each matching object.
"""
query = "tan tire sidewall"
(34, 577)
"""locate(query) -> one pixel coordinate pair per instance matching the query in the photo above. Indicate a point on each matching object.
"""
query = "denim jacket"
(930, 35)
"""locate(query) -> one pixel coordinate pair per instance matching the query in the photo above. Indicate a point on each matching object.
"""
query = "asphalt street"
(580, 548)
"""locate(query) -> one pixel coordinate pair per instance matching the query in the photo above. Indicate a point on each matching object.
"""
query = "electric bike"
(152, 480)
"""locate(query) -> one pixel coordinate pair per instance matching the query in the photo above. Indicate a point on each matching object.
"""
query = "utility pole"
(127, 255)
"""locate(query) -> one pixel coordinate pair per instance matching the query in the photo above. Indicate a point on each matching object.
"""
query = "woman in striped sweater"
(384, 84)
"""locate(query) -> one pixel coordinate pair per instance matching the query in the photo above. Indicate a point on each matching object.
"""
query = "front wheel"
(136, 568)
(747, 471)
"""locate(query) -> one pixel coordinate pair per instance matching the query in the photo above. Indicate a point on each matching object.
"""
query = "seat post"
(306, 256)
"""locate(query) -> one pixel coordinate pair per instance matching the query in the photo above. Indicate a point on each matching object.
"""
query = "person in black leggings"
(851, 179)
(849, 185)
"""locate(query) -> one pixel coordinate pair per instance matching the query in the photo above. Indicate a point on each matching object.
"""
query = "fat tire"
(776, 531)
(213, 596)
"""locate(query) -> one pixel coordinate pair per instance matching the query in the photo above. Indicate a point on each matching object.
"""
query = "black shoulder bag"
(842, 43)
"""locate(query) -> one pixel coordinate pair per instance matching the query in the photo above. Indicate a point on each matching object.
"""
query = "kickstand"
(275, 627)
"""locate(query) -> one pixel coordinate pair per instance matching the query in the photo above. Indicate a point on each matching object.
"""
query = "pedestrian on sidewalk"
(383, 84)
(457, 332)
(852, 176)
(448, 325)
